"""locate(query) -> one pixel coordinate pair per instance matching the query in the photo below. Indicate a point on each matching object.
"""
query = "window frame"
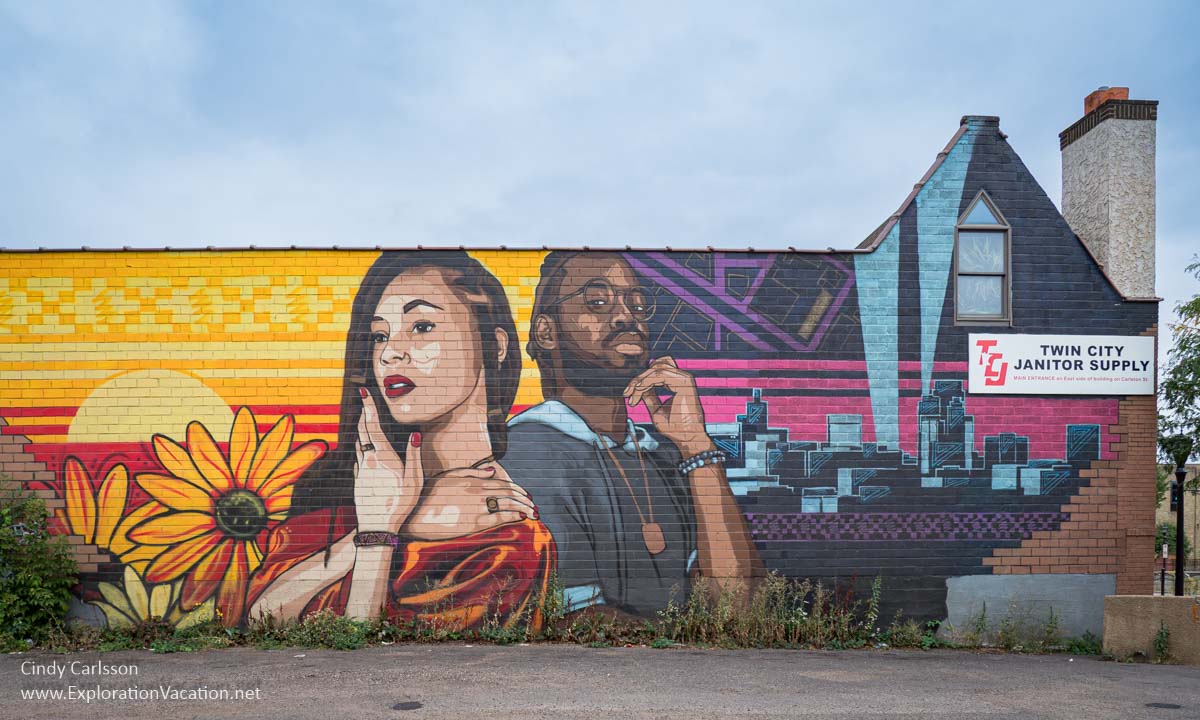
(1005, 316)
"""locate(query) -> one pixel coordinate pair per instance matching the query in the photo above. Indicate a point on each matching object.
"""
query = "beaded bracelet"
(699, 460)
(375, 538)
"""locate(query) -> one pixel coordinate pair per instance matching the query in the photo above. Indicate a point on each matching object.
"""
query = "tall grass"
(776, 612)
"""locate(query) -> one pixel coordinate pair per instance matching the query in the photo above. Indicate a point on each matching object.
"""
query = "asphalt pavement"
(566, 681)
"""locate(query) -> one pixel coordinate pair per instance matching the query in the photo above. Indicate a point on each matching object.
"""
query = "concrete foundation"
(1077, 600)
(1131, 623)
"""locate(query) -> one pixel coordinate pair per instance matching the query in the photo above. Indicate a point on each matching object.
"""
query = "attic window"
(982, 265)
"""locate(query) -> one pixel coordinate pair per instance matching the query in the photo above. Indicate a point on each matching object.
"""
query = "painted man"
(635, 513)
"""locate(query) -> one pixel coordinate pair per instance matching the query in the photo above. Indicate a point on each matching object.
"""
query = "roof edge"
(877, 237)
(447, 248)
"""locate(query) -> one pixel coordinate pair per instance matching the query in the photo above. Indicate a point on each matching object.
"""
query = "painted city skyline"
(844, 472)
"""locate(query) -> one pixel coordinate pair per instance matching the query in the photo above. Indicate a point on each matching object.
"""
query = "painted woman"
(413, 513)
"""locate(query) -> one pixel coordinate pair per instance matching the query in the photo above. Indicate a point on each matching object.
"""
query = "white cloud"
(647, 124)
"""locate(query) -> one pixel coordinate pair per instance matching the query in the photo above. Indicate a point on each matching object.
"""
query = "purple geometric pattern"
(889, 527)
(742, 314)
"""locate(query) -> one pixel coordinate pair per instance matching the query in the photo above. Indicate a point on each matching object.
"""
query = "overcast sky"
(761, 124)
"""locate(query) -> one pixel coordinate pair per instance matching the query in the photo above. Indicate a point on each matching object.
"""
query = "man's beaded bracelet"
(699, 460)
(376, 538)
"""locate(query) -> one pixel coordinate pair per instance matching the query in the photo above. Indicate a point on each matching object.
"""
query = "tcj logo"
(995, 370)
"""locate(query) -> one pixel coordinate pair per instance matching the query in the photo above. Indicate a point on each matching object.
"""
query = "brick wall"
(222, 424)
(1111, 521)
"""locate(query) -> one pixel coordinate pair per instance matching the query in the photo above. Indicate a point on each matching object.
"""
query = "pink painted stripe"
(57, 411)
(793, 383)
(842, 365)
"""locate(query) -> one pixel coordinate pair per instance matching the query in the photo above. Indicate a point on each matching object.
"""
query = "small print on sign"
(1061, 364)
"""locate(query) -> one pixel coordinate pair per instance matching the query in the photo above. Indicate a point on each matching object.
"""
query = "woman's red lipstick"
(397, 386)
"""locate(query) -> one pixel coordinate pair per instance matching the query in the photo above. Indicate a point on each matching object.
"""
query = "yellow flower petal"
(172, 528)
(176, 588)
(135, 591)
(81, 503)
(138, 557)
(231, 596)
(201, 614)
(272, 450)
(160, 600)
(178, 559)
(289, 470)
(114, 490)
(200, 584)
(115, 617)
(277, 505)
(254, 556)
(175, 493)
(116, 597)
(121, 545)
(172, 456)
(208, 458)
(243, 441)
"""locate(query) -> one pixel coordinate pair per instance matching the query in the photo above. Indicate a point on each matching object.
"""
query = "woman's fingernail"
(362, 392)
(523, 516)
(415, 439)
(535, 514)
(489, 468)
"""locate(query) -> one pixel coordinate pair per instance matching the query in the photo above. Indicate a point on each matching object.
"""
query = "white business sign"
(1061, 364)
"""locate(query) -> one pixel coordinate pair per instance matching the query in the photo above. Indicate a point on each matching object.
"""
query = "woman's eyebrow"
(408, 306)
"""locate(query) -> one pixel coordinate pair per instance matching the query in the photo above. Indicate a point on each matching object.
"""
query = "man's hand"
(680, 418)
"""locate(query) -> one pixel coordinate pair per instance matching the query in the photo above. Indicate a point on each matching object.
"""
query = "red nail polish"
(415, 439)
(523, 516)
(362, 392)
(535, 514)
(489, 468)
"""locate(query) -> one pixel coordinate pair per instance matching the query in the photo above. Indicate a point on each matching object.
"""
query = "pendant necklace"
(652, 533)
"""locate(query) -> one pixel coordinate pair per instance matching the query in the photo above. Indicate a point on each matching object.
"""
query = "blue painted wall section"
(938, 205)
(878, 276)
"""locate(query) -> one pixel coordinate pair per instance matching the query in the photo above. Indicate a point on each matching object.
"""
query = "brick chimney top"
(1108, 197)
(1102, 95)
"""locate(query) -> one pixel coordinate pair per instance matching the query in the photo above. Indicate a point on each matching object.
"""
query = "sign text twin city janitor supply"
(1061, 364)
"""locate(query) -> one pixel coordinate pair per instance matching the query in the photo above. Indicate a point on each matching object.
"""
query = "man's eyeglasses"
(599, 297)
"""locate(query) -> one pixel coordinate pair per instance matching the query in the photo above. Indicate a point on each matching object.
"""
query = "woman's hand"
(386, 486)
(456, 504)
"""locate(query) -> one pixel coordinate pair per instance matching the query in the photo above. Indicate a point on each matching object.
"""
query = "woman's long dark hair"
(330, 483)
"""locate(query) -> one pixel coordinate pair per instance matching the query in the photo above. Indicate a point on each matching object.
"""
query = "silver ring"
(493, 504)
(368, 448)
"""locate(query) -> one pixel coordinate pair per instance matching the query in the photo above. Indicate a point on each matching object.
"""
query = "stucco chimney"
(1108, 194)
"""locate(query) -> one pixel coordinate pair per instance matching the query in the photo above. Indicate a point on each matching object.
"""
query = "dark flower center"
(241, 514)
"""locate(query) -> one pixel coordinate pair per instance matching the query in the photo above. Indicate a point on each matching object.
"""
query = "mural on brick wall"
(448, 435)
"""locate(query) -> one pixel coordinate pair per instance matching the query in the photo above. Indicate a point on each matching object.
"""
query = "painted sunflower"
(220, 509)
(132, 602)
(98, 516)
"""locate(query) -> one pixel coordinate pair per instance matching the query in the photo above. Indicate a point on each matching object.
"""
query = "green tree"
(1166, 534)
(1180, 381)
(37, 570)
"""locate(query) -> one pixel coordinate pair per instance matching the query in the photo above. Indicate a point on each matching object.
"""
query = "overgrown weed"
(777, 612)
